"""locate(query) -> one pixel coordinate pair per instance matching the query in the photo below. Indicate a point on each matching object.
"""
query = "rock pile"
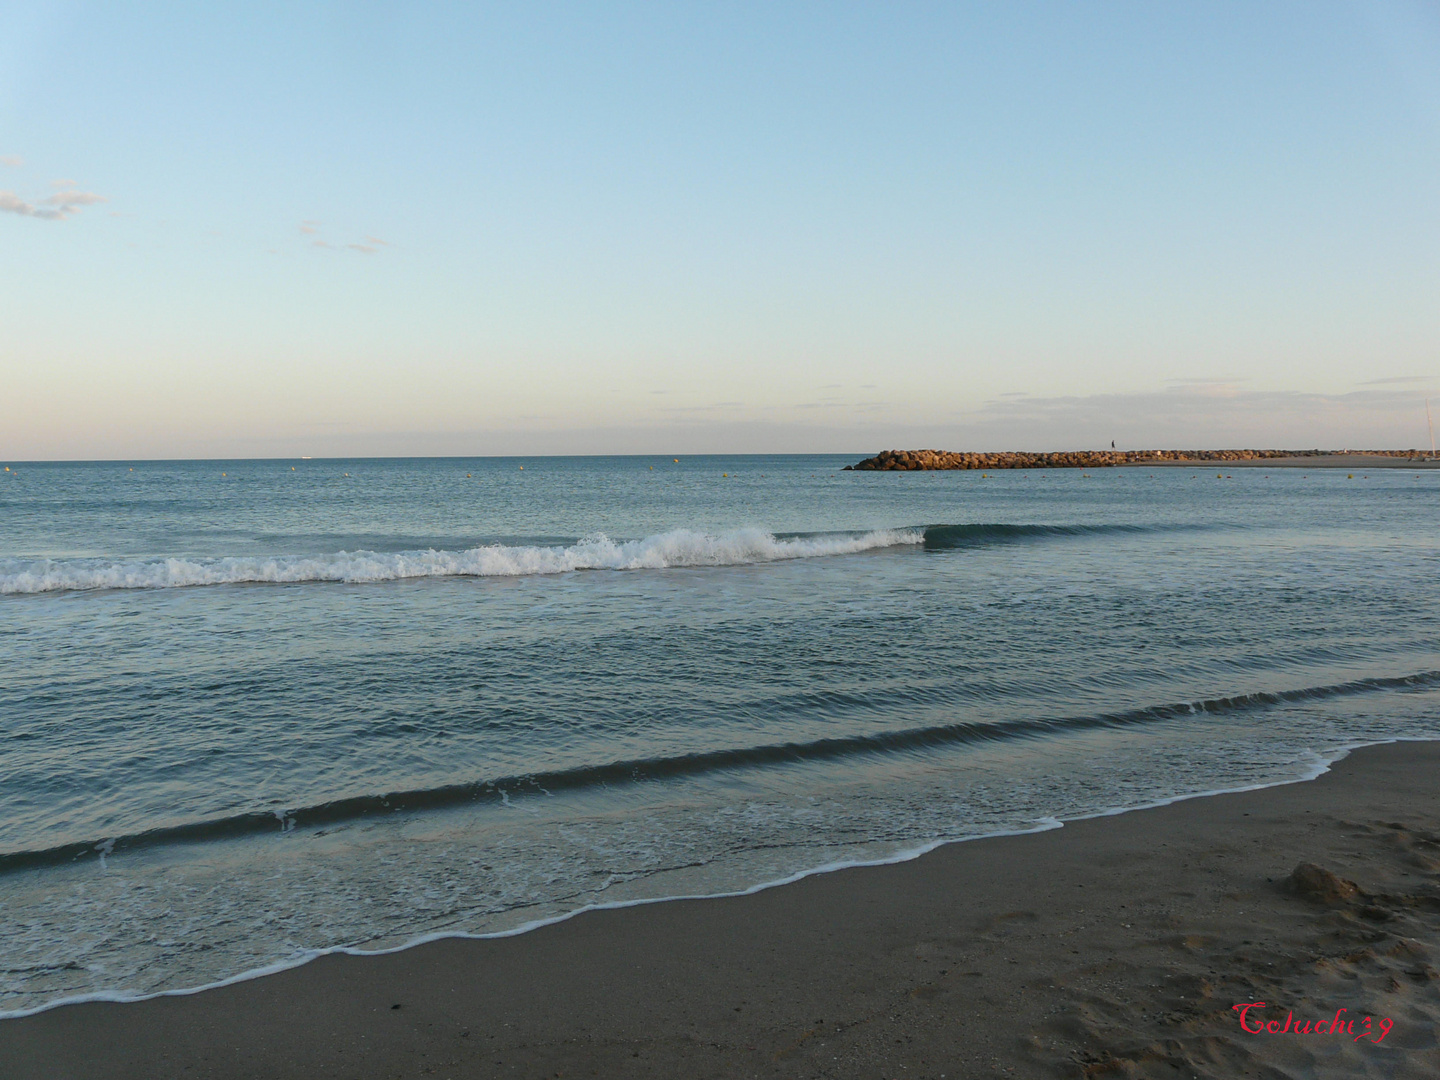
(906, 460)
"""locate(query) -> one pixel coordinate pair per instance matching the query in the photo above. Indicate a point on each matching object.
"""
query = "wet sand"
(1115, 946)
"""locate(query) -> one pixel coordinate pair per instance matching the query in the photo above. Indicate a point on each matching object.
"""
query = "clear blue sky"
(604, 228)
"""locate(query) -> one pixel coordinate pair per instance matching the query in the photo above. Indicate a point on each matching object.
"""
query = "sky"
(264, 230)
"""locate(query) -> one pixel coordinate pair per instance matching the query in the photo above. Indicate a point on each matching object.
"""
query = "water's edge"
(1321, 765)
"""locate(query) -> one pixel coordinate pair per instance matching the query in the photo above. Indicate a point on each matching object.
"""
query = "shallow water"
(255, 709)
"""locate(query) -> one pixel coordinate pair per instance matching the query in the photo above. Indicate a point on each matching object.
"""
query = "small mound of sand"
(1320, 886)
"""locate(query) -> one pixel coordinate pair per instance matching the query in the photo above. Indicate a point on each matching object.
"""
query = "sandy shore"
(1113, 947)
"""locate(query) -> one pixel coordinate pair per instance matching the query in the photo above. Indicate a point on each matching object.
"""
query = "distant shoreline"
(931, 460)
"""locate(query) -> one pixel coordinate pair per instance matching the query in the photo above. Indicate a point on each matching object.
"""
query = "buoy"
(292, 468)
(522, 468)
(467, 475)
(1219, 477)
(1350, 477)
(724, 474)
(222, 474)
(677, 461)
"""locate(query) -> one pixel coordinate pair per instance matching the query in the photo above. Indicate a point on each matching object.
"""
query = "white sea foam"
(680, 547)
(1314, 766)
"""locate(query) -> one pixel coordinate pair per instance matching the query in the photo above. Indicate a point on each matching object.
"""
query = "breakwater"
(911, 460)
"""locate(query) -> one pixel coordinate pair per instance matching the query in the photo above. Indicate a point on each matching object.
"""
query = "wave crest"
(679, 547)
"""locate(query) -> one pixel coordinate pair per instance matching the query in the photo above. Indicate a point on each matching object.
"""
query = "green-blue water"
(251, 710)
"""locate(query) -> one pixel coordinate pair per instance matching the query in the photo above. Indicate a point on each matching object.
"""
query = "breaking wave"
(679, 547)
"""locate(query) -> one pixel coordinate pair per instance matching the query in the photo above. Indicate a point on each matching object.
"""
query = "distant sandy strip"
(1327, 461)
(1114, 947)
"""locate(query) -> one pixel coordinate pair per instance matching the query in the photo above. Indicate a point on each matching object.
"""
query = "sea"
(256, 711)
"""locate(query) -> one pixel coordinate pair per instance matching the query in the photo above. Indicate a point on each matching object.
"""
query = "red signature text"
(1339, 1024)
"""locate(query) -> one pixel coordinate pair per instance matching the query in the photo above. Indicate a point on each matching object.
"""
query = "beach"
(466, 609)
(309, 738)
(1114, 946)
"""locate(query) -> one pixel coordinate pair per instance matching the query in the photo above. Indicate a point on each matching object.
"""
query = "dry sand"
(1113, 947)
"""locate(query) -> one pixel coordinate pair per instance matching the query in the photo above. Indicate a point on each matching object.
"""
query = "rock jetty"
(912, 460)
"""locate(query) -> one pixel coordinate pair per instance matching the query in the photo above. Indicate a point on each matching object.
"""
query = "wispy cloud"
(55, 207)
(1397, 379)
(1196, 397)
(369, 245)
(12, 161)
(690, 409)
(68, 201)
(1198, 413)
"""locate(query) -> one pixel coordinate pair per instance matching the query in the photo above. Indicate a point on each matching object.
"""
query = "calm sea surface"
(254, 709)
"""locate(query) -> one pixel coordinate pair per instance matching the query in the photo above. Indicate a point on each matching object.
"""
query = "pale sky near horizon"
(261, 230)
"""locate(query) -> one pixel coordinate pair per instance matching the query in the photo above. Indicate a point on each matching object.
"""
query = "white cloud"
(12, 160)
(70, 199)
(16, 205)
(55, 207)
